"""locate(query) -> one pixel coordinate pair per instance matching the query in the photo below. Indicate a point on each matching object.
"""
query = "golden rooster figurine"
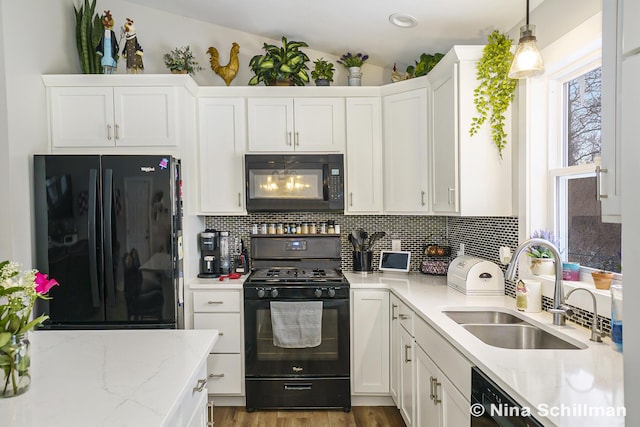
(227, 72)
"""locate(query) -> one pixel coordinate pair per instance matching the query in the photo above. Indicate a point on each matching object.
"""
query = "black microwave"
(294, 183)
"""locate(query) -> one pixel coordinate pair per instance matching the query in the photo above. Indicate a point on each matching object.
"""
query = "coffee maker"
(209, 254)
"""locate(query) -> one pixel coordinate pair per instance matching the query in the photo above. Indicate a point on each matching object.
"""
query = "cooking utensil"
(354, 243)
(374, 238)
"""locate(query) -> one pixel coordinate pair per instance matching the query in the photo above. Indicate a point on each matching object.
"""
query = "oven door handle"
(297, 387)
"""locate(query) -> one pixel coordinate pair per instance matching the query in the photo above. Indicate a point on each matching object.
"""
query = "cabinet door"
(229, 326)
(394, 362)
(81, 117)
(455, 408)
(610, 178)
(370, 365)
(631, 30)
(319, 125)
(428, 412)
(364, 156)
(405, 147)
(199, 417)
(222, 142)
(407, 377)
(270, 124)
(444, 137)
(145, 116)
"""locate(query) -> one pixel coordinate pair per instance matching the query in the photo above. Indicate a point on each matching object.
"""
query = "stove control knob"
(274, 293)
(318, 293)
(332, 292)
(261, 293)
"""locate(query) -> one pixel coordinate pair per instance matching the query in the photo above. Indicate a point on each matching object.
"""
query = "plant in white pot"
(542, 261)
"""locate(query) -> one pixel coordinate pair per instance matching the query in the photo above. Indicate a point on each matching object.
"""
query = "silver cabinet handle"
(220, 334)
(406, 354)
(216, 375)
(436, 384)
(297, 138)
(289, 138)
(393, 311)
(450, 193)
(200, 386)
(403, 316)
(351, 199)
(422, 198)
(239, 200)
(210, 414)
(215, 302)
(109, 132)
(117, 131)
(599, 172)
(432, 394)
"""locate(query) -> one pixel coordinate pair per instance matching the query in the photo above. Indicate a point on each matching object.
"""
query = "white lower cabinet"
(394, 354)
(370, 342)
(222, 310)
(406, 390)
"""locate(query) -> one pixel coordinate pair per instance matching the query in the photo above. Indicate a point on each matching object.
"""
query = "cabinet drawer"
(406, 315)
(453, 364)
(229, 326)
(225, 374)
(216, 301)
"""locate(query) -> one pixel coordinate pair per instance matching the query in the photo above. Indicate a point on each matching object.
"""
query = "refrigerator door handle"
(107, 202)
(92, 231)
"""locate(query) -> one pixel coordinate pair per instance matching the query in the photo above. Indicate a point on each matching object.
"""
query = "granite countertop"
(565, 384)
(107, 377)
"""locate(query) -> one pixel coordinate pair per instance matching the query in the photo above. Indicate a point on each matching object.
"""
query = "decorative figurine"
(227, 72)
(132, 50)
(107, 49)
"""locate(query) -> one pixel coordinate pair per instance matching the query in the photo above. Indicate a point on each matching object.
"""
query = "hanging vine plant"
(496, 90)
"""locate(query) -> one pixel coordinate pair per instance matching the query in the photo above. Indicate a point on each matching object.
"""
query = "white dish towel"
(296, 324)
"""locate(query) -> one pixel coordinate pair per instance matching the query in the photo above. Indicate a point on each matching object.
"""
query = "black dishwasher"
(491, 406)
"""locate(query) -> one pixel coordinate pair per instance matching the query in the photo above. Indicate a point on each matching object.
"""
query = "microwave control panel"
(335, 184)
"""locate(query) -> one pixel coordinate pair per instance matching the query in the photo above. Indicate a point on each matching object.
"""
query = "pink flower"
(43, 283)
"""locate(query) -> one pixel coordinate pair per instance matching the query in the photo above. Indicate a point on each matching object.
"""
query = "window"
(583, 236)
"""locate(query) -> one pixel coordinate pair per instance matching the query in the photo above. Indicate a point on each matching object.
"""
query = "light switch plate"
(396, 245)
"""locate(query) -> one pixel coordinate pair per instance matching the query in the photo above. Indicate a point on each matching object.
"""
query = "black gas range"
(300, 275)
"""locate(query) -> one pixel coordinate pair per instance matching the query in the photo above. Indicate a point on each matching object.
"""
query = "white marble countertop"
(107, 378)
(566, 384)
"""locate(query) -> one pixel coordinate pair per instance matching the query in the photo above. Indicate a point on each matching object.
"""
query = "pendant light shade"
(527, 61)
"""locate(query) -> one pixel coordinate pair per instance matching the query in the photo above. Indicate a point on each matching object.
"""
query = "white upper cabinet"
(631, 34)
(609, 176)
(405, 161)
(221, 160)
(296, 124)
(113, 116)
(468, 177)
(364, 156)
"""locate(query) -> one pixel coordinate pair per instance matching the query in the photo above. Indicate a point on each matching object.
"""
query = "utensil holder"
(362, 260)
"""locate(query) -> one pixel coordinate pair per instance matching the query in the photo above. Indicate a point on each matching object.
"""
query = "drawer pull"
(432, 394)
(393, 311)
(406, 354)
(220, 334)
(216, 375)
(300, 387)
(436, 384)
(200, 386)
(403, 316)
(215, 302)
(210, 414)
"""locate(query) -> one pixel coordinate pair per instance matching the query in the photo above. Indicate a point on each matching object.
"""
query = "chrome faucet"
(559, 310)
(596, 332)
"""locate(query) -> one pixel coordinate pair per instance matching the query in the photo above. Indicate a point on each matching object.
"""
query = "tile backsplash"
(482, 237)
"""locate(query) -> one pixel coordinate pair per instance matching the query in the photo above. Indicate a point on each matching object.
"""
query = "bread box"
(475, 276)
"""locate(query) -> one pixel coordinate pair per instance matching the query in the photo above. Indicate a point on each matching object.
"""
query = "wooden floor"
(360, 416)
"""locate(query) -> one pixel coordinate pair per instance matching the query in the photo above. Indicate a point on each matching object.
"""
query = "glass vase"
(15, 363)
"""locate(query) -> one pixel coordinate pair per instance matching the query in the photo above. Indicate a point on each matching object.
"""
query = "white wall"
(6, 243)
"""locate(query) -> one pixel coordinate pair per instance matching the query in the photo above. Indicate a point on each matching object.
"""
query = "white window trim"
(562, 58)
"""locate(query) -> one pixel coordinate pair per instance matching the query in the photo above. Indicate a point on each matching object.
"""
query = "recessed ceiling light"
(403, 20)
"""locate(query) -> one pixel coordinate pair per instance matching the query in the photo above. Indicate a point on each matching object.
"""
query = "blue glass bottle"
(616, 316)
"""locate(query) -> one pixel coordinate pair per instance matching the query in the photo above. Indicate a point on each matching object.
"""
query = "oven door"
(263, 359)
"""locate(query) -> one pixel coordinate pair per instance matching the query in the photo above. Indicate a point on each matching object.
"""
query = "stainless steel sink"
(483, 317)
(520, 336)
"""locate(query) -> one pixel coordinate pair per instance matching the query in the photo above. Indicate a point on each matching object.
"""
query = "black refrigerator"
(109, 229)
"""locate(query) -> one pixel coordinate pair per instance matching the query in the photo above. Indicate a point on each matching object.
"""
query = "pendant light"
(527, 61)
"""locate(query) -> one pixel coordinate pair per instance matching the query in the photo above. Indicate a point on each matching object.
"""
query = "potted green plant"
(426, 64)
(496, 90)
(284, 65)
(542, 262)
(322, 74)
(181, 61)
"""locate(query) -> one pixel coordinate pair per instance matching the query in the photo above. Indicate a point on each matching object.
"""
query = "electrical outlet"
(396, 245)
(461, 250)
